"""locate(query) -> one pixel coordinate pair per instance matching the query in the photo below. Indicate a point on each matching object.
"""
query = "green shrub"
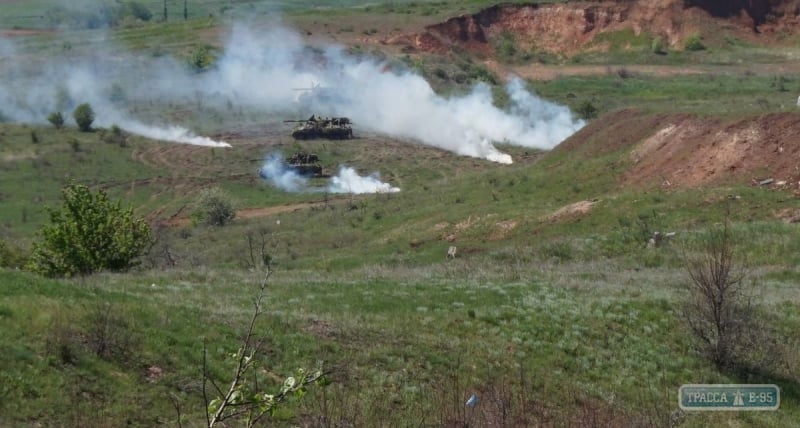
(57, 119)
(84, 117)
(214, 208)
(114, 135)
(202, 59)
(506, 47)
(10, 256)
(587, 110)
(694, 43)
(481, 73)
(88, 234)
(657, 46)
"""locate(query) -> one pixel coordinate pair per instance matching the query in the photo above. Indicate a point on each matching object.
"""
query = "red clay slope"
(567, 28)
(684, 150)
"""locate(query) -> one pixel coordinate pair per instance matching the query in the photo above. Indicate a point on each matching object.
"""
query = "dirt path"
(550, 72)
(23, 32)
(268, 211)
(182, 220)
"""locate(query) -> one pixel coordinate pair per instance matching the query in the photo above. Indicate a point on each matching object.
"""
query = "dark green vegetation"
(89, 234)
(550, 319)
(84, 116)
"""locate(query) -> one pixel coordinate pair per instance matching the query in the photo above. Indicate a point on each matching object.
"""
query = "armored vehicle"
(331, 128)
(305, 163)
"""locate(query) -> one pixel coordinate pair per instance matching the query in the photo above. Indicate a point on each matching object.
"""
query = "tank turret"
(305, 163)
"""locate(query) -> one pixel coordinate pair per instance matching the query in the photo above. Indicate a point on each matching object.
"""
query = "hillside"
(506, 241)
(577, 26)
(673, 151)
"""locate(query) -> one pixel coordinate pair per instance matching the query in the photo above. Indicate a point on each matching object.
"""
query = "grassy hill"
(554, 312)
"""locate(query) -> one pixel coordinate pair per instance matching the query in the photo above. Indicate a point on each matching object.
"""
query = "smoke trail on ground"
(61, 84)
(348, 181)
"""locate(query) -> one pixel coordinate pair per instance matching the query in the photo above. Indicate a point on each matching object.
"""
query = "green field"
(552, 318)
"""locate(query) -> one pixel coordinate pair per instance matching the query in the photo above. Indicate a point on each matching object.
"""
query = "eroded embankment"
(684, 150)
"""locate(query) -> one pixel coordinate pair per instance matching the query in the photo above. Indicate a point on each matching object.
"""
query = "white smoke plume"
(261, 70)
(282, 176)
(397, 103)
(173, 133)
(61, 84)
(348, 181)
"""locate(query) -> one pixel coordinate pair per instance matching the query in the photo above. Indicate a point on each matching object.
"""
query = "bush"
(11, 257)
(88, 234)
(57, 119)
(84, 117)
(694, 43)
(214, 208)
(587, 110)
(114, 135)
(505, 46)
(137, 10)
(718, 307)
(110, 334)
(202, 59)
(657, 46)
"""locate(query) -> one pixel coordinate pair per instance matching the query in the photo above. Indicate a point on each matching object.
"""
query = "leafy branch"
(241, 397)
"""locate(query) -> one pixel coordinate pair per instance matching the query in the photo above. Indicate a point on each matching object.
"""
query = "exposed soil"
(181, 219)
(568, 28)
(24, 32)
(577, 209)
(683, 150)
(669, 150)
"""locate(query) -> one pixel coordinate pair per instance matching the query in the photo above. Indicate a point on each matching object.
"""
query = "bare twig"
(177, 405)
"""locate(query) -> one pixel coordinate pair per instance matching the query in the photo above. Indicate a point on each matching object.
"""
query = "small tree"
(202, 59)
(56, 119)
(718, 307)
(88, 234)
(244, 398)
(587, 110)
(214, 208)
(84, 117)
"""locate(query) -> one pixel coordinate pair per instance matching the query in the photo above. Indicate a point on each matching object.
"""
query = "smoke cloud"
(286, 178)
(281, 176)
(348, 181)
(34, 90)
(261, 71)
(398, 103)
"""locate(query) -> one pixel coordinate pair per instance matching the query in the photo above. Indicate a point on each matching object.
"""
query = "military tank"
(331, 128)
(305, 164)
